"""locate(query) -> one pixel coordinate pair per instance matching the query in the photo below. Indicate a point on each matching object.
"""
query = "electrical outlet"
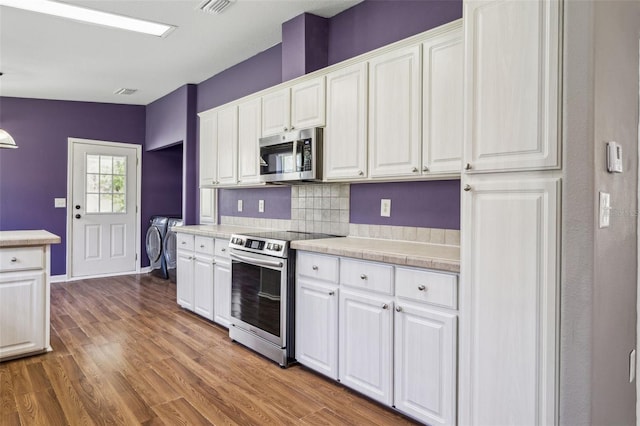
(385, 207)
(59, 203)
(260, 206)
(239, 205)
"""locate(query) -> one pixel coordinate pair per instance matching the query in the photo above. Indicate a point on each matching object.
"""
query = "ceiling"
(47, 57)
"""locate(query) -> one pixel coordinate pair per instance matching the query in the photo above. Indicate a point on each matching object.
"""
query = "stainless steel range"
(262, 292)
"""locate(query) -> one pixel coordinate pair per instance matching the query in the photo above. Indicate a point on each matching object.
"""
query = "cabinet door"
(395, 114)
(345, 137)
(207, 205)
(227, 157)
(308, 104)
(317, 327)
(509, 301)
(512, 82)
(203, 286)
(22, 313)
(208, 147)
(222, 292)
(425, 364)
(442, 104)
(365, 344)
(249, 132)
(184, 279)
(276, 110)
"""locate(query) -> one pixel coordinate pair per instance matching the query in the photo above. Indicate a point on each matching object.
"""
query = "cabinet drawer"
(185, 241)
(21, 258)
(318, 266)
(204, 245)
(366, 275)
(222, 248)
(427, 286)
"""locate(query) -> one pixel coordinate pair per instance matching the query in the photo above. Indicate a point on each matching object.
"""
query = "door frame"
(71, 143)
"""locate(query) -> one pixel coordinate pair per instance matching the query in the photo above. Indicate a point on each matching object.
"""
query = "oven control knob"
(277, 247)
(269, 246)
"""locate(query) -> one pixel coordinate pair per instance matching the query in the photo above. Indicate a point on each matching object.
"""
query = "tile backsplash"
(406, 233)
(320, 208)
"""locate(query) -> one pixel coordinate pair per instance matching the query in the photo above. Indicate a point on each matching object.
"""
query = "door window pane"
(106, 179)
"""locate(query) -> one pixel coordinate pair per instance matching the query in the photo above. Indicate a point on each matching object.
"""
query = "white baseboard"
(59, 278)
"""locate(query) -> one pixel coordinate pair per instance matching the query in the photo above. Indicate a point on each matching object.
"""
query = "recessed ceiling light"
(91, 16)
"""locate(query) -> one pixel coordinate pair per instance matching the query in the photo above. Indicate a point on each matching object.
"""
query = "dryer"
(170, 247)
(155, 244)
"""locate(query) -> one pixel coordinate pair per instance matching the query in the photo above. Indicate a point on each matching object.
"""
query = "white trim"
(88, 277)
(70, 145)
(59, 278)
(638, 269)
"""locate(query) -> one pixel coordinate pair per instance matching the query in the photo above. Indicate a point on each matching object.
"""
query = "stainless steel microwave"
(292, 156)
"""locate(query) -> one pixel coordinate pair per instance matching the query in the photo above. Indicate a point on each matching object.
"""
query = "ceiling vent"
(214, 6)
(124, 91)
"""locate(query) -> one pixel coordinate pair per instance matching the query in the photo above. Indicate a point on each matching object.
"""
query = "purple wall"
(166, 120)
(304, 45)
(256, 73)
(36, 173)
(277, 204)
(430, 204)
(372, 24)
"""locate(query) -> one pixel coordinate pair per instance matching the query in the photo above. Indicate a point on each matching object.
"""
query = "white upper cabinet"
(308, 104)
(276, 112)
(249, 132)
(345, 137)
(296, 107)
(395, 113)
(208, 147)
(509, 300)
(512, 93)
(442, 107)
(227, 145)
(207, 205)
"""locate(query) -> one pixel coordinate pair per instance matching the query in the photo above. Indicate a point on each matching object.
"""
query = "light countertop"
(432, 256)
(27, 238)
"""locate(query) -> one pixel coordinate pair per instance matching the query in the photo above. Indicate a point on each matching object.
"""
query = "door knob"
(78, 216)
(467, 188)
(77, 207)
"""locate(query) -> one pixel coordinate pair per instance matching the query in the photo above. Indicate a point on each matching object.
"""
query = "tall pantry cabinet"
(510, 213)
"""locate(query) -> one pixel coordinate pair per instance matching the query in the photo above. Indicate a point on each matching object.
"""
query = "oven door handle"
(258, 262)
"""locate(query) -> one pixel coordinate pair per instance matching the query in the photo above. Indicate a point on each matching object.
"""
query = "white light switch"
(385, 207)
(605, 208)
(239, 205)
(60, 203)
(632, 366)
(260, 206)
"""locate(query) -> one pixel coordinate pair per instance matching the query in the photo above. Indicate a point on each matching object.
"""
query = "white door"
(227, 145)
(208, 148)
(249, 132)
(222, 292)
(103, 208)
(276, 109)
(203, 286)
(184, 279)
(307, 104)
(425, 363)
(365, 344)
(317, 327)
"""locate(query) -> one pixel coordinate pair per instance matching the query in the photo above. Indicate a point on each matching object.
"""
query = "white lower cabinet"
(184, 279)
(391, 334)
(425, 363)
(203, 285)
(194, 275)
(365, 344)
(222, 283)
(317, 326)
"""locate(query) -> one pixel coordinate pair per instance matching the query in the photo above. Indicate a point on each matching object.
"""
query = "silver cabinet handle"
(291, 128)
(285, 129)
(422, 288)
(467, 188)
(331, 293)
(14, 259)
(360, 173)
(183, 243)
(467, 166)
(385, 306)
(191, 257)
(425, 169)
(223, 250)
(398, 309)
(201, 245)
(363, 277)
(314, 267)
(415, 170)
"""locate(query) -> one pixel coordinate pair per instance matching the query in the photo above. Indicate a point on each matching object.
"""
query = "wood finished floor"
(126, 354)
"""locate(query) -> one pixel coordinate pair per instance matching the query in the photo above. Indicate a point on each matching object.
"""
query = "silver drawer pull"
(201, 245)
(224, 249)
(14, 259)
(385, 306)
(398, 309)
(331, 293)
(422, 288)
(314, 267)
(184, 242)
(363, 277)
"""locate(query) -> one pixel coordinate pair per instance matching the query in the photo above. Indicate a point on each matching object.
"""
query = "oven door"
(259, 295)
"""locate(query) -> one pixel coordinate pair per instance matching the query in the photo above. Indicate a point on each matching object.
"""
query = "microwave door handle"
(256, 262)
(262, 162)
